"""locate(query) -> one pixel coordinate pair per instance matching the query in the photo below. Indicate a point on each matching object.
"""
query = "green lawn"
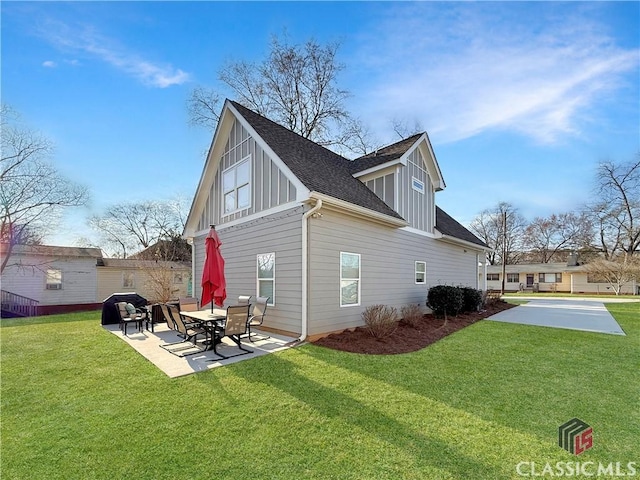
(78, 403)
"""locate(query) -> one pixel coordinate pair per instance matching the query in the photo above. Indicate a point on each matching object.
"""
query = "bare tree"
(545, 237)
(33, 193)
(489, 227)
(404, 130)
(616, 273)
(296, 85)
(616, 213)
(130, 227)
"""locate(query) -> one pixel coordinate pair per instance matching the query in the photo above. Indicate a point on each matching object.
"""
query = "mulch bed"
(407, 338)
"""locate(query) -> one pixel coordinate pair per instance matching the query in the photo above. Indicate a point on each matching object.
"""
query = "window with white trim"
(493, 277)
(417, 185)
(128, 280)
(550, 278)
(236, 187)
(54, 279)
(513, 277)
(349, 279)
(266, 273)
(421, 273)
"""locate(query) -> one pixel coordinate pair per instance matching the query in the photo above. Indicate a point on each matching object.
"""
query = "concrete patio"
(147, 344)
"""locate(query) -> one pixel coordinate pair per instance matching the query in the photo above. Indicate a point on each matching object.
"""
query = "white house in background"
(153, 280)
(325, 237)
(551, 277)
(52, 279)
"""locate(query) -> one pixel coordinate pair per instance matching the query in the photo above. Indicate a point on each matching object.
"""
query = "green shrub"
(381, 320)
(411, 314)
(445, 300)
(471, 299)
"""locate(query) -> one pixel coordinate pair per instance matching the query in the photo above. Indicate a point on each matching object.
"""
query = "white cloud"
(49, 64)
(83, 39)
(464, 70)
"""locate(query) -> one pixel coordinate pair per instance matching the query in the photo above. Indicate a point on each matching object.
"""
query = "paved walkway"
(148, 344)
(573, 314)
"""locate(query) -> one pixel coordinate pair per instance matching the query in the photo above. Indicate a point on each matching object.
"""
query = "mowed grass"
(78, 403)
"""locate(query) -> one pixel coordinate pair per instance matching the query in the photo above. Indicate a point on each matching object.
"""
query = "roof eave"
(333, 203)
(459, 241)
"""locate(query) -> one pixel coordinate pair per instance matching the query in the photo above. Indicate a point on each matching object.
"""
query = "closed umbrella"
(213, 282)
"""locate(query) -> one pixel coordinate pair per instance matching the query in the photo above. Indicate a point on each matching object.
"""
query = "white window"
(493, 277)
(128, 280)
(236, 187)
(551, 278)
(349, 279)
(417, 185)
(54, 279)
(267, 276)
(421, 272)
(513, 277)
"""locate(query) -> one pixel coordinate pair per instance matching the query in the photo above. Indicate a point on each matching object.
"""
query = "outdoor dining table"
(209, 318)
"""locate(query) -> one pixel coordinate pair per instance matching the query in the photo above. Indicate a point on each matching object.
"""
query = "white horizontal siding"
(388, 257)
(79, 279)
(279, 233)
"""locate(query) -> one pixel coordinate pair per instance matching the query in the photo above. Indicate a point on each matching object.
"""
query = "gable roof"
(384, 154)
(447, 225)
(317, 167)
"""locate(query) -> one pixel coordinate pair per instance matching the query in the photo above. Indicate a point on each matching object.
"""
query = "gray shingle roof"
(383, 155)
(447, 225)
(318, 168)
(326, 172)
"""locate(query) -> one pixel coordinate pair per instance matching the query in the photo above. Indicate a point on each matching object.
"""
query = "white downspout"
(305, 269)
(193, 266)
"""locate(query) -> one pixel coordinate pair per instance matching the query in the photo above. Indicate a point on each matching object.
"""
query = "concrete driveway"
(585, 315)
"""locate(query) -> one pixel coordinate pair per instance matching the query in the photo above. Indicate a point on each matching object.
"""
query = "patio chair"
(129, 314)
(188, 304)
(233, 326)
(167, 316)
(257, 316)
(189, 333)
(244, 299)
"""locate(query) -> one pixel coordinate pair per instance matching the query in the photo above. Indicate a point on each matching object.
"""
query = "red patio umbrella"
(213, 282)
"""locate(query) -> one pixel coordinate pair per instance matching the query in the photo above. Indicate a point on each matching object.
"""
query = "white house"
(323, 236)
(50, 279)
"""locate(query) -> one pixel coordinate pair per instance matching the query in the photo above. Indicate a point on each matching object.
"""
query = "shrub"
(411, 314)
(471, 299)
(381, 320)
(444, 300)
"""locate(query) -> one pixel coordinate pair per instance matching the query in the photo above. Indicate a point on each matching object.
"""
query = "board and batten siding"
(416, 208)
(388, 257)
(279, 233)
(269, 185)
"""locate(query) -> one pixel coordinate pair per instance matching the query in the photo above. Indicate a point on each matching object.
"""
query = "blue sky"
(521, 100)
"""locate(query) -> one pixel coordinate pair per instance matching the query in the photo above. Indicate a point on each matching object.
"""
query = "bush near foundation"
(471, 299)
(381, 320)
(445, 300)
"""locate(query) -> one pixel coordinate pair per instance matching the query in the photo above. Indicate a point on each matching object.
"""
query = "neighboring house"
(157, 281)
(325, 237)
(551, 277)
(42, 280)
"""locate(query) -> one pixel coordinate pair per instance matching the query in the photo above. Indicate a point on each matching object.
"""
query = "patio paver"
(148, 343)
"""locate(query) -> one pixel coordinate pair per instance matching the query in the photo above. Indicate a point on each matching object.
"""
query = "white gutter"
(305, 268)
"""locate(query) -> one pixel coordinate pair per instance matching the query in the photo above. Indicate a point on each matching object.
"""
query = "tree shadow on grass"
(427, 452)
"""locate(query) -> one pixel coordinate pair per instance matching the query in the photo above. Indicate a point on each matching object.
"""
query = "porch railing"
(18, 304)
